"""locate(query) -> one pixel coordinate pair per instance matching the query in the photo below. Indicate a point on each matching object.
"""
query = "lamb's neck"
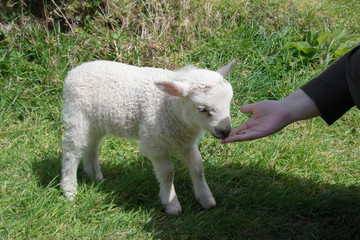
(183, 121)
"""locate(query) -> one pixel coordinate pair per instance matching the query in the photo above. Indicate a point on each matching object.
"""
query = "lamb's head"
(203, 98)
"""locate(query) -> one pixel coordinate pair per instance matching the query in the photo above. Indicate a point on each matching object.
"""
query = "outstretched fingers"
(242, 135)
(249, 108)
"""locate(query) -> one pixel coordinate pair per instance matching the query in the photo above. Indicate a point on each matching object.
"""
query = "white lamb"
(165, 110)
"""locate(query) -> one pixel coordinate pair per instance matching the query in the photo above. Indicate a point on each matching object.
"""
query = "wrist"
(299, 106)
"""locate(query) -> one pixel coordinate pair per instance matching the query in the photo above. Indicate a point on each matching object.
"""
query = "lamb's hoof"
(99, 177)
(94, 175)
(173, 209)
(70, 196)
(207, 203)
(69, 191)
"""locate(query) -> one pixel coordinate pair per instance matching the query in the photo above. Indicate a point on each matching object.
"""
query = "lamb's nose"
(222, 133)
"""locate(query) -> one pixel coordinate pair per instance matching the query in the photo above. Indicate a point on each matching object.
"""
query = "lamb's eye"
(204, 110)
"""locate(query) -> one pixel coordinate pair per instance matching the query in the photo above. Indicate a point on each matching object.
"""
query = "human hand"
(269, 117)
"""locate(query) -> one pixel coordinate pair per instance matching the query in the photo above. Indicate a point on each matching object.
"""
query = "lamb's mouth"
(221, 133)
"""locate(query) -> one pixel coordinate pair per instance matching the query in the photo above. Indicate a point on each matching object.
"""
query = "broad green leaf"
(309, 52)
(350, 37)
(322, 38)
(340, 52)
(339, 35)
(294, 45)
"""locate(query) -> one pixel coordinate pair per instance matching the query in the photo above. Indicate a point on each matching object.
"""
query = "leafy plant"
(321, 48)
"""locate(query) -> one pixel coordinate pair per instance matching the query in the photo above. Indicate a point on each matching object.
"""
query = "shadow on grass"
(253, 203)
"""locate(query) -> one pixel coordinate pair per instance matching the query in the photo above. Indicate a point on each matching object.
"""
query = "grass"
(301, 183)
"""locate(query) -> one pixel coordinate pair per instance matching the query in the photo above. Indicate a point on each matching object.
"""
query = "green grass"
(301, 183)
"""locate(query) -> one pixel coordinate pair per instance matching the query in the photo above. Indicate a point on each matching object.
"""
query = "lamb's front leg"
(203, 194)
(164, 170)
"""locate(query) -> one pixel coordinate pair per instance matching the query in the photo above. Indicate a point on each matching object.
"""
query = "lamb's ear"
(224, 71)
(176, 89)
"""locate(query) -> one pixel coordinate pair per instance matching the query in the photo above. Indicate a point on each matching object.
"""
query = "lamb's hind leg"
(70, 162)
(74, 144)
(164, 170)
(203, 194)
(91, 158)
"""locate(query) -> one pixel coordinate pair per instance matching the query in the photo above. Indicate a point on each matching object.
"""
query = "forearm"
(299, 106)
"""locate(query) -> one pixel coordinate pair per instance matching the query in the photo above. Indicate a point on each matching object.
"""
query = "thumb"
(248, 108)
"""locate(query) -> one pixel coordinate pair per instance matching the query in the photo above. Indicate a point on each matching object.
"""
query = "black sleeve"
(330, 91)
(353, 74)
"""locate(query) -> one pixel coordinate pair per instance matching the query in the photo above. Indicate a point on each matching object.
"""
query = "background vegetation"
(302, 183)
